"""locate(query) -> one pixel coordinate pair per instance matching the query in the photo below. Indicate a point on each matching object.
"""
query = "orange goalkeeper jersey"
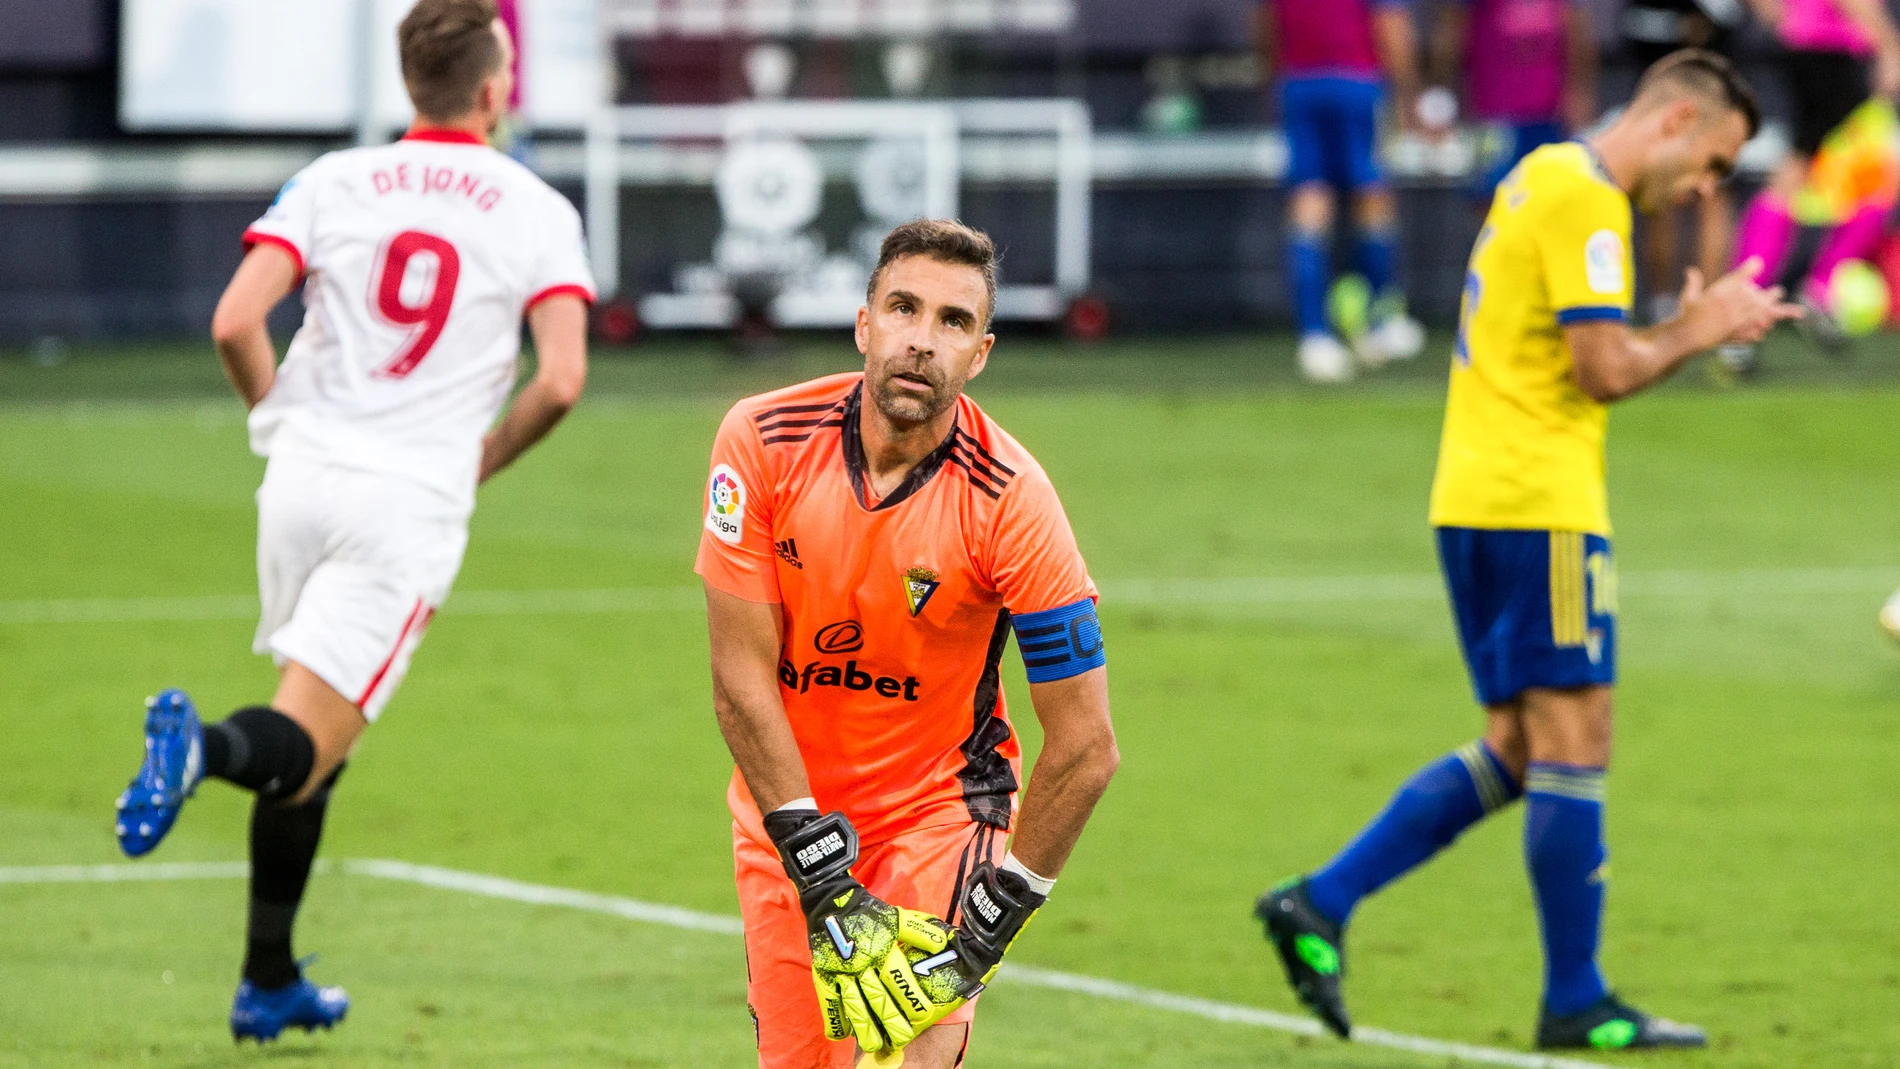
(895, 611)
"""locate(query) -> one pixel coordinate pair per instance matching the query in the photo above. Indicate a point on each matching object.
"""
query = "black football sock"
(262, 750)
(283, 845)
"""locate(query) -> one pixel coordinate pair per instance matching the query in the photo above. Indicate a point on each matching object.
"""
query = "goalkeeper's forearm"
(1071, 773)
(746, 642)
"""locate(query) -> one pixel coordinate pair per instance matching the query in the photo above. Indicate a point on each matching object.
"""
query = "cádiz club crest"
(919, 584)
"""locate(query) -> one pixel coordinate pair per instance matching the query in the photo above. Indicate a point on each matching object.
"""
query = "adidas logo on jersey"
(788, 552)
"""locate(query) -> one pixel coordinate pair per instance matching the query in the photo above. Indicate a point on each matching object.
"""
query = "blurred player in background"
(1838, 53)
(512, 134)
(420, 260)
(1654, 29)
(1334, 62)
(1522, 521)
(870, 539)
(1529, 74)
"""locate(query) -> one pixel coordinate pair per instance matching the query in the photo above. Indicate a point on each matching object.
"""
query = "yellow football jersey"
(1523, 444)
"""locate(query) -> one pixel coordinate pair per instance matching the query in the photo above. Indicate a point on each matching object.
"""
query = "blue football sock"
(1308, 265)
(1438, 803)
(1563, 846)
(1377, 257)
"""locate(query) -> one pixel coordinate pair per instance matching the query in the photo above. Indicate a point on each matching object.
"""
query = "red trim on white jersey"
(252, 238)
(566, 289)
(444, 137)
(420, 613)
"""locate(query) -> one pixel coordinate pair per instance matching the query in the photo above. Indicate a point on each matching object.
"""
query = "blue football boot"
(174, 763)
(261, 1015)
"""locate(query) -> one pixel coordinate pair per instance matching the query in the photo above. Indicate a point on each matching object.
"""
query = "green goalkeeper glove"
(929, 981)
(855, 936)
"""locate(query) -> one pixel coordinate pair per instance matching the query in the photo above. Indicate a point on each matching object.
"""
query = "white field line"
(1144, 593)
(475, 883)
(176, 870)
(541, 895)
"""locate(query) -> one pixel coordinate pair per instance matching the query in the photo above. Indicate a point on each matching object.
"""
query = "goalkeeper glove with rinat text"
(858, 941)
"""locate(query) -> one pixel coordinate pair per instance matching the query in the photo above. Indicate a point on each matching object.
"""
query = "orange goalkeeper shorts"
(921, 869)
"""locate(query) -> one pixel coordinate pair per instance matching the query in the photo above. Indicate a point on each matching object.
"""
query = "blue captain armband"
(1061, 642)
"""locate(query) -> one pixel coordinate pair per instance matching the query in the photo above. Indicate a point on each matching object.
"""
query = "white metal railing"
(235, 168)
(683, 144)
(834, 18)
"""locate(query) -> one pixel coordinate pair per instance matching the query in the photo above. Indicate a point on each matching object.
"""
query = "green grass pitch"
(1281, 658)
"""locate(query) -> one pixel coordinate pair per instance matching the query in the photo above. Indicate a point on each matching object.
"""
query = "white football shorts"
(351, 565)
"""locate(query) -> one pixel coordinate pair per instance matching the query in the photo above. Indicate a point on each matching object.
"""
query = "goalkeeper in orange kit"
(870, 542)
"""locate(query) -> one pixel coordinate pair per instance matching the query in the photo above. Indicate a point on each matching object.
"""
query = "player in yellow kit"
(1523, 527)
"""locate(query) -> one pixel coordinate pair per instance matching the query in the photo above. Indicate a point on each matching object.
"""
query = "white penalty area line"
(500, 887)
(1133, 593)
(174, 610)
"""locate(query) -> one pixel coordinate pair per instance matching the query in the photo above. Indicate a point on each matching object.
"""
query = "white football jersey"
(420, 257)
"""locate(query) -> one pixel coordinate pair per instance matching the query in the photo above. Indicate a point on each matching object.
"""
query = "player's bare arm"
(1613, 361)
(1580, 68)
(559, 327)
(1872, 18)
(746, 645)
(238, 327)
(1266, 39)
(1070, 774)
(1450, 32)
(1396, 39)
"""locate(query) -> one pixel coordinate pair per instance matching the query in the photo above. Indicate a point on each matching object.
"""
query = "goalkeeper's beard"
(907, 408)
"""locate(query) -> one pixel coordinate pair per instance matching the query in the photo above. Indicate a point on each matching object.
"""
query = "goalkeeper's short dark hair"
(946, 241)
(448, 50)
(1705, 74)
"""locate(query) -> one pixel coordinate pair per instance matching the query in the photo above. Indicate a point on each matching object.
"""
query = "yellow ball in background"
(1857, 295)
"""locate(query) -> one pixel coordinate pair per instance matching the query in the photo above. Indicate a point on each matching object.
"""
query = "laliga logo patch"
(1603, 262)
(919, 584)
(725, 505)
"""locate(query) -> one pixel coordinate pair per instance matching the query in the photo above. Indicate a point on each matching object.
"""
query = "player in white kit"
(419, 261)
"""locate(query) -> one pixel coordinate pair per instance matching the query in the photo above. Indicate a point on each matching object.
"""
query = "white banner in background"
(292, 66)
(837, 18)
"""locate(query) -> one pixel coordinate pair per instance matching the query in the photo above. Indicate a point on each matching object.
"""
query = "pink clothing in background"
(1855, 238)
(1318, 37)
(1821, 26)
(1766, 232)
(510, 11)
(1514, 62)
